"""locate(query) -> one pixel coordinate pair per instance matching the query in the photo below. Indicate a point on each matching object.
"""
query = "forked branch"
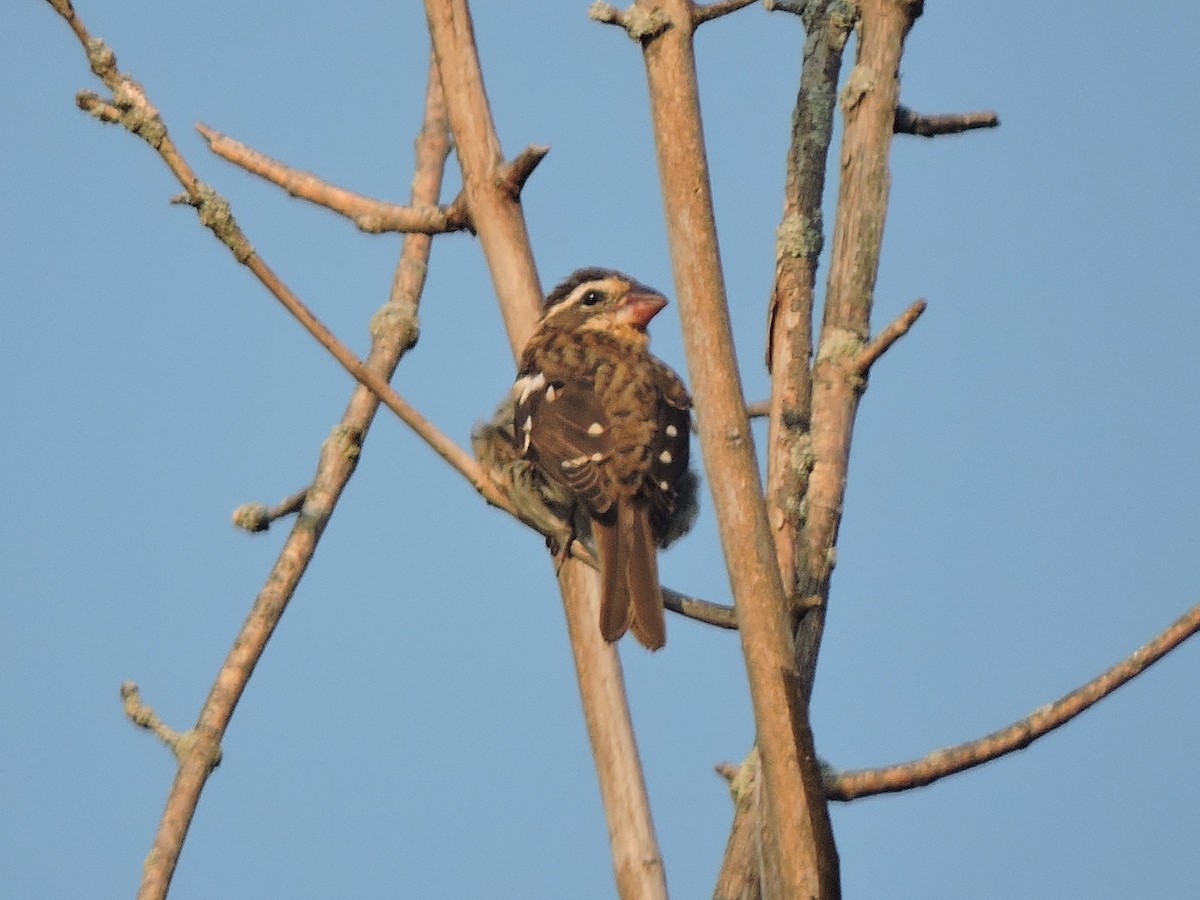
(370, 215)
(199, 748)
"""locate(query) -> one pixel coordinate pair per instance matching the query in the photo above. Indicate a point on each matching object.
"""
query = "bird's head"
(603, 300)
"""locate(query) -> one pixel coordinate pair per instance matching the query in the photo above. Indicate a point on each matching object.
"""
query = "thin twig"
(701, 610)
(910, 122)
(198, 749)
(258, 516)
(143, 715)
(759, 409)
(1020, 734)
(895, 330)
(370, 215)
(728, 447)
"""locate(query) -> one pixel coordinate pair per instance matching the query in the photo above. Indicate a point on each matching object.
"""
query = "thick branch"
(868, 101)
(799, 240)
(1018, 735)
(498, 219)
(793, 798)
(370, 215)
(739, 876)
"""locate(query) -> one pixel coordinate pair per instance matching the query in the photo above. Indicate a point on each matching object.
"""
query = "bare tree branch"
(198, 749)
(370, 215)
(258, 516)
(701, 610)
(740, 878)
(895, 330)
(868, 101)
(1020, 734)
(637, 860)
(799, 240)
(792, 798)
(910, 122)
(143, 716)
(706, 12)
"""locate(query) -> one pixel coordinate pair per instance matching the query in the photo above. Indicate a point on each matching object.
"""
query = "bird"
(595, 435)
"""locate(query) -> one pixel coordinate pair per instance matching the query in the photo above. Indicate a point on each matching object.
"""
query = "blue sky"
(1022, 506)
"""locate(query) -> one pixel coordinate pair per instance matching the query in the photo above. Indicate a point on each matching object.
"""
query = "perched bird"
(598, 438)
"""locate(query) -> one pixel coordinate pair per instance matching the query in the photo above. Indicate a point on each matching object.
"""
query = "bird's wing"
(563, 427)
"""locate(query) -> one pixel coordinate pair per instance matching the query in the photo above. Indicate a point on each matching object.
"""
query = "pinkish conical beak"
(639, 306)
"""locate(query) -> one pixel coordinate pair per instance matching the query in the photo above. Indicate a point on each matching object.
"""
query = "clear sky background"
(1023, 498)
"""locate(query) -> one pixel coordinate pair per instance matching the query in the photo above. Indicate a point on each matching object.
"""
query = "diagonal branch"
(706, 12)
(793, 795)
(895, 330)
(370, 215)
(799, 241)
(637, 860)
(198, 749)
(258, 516)
(868, 102)
(1020, 734)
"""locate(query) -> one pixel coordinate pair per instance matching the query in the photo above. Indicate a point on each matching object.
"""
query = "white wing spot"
(575, 462)
(526, 430)
(595, 429)
(551, 394)
(665, 485)
(597, 457)
(527, 385)
(672, 431)
(665, 457)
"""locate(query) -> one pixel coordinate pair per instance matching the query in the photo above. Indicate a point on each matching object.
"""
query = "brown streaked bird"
(605, 427)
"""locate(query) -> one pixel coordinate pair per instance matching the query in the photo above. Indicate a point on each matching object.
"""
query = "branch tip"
(895, 330)
(513, 174)
(909, 121)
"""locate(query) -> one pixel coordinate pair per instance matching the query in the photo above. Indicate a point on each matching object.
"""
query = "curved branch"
(1020, 734)
(143, 716)
(258, 516)
(370, 215)
(198, 749)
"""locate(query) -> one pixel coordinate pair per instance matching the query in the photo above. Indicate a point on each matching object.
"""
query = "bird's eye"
(591, 298)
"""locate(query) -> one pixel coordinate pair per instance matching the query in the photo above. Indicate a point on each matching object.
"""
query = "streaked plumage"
(600, 433)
